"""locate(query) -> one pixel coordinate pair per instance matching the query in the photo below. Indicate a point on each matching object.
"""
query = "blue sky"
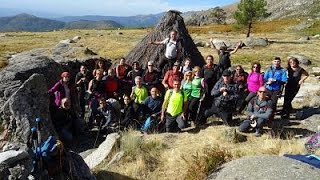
(110, 7)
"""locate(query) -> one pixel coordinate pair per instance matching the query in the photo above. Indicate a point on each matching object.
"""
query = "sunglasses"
(255, 67)
(150, 65)
(262, 91)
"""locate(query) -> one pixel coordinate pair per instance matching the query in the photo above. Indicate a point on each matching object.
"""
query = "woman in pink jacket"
(254, 81)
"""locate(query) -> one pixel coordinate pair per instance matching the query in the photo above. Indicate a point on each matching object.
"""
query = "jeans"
(245, 125)
(225, 114)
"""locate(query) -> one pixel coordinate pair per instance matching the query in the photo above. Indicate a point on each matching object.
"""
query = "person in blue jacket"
(275, 78)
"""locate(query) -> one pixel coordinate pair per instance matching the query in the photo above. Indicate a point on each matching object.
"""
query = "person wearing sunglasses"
(259, 111)
(254, 82)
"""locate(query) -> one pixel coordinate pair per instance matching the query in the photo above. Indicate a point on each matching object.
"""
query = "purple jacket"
(59, 93)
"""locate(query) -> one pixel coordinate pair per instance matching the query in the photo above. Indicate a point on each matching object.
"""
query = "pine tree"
(250, 11)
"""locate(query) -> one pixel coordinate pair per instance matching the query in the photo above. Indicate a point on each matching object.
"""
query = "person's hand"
(166, 85)
(225, 93)
(301, 81)
(270, 80)
(239, 44)
(223, 89)
(162, 118)
(150, 42)
(211, 39)
(252, 117)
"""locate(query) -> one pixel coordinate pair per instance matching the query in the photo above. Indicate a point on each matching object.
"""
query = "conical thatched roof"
(172, 20)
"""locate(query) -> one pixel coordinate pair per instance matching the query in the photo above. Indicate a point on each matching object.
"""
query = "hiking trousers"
(245, 125)
(174, 123)
(224, 114)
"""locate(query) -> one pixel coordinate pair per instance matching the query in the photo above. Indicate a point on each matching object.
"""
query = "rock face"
(312, 122)
(29, 102)
(103, 151)
(22, 66)
(266, 167)
(144, 52)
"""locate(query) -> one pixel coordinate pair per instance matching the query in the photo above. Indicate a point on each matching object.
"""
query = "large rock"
(218, 43)
(266, 167)
(312, 122)
(252, 42)
(97, 156)
(11, 156)
(22, 66)
(302, 59)
(316, 71)
(29, 102)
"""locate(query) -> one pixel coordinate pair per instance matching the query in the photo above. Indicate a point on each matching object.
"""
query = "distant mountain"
(86, 24)
(126, 21)
(26, 22)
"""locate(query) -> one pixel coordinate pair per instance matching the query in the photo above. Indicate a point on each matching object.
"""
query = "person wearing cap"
(62, 89)
(224, 54)
(225, 94)
(172, 75)
(259, 111)
(173, 50)
(151, 77)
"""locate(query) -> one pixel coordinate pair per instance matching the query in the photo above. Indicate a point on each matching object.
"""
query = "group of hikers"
(185, 95)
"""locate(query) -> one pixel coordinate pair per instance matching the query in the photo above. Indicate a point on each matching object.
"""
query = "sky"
(111, 7)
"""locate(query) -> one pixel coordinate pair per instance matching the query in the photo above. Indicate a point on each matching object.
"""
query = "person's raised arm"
(213, 46)
(237, 47)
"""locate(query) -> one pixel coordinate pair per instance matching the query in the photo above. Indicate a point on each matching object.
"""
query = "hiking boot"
(257, 133)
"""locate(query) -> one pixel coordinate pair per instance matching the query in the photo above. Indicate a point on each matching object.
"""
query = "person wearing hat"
(62, 89)
(259, 111)
(225, 94)
(172, 75)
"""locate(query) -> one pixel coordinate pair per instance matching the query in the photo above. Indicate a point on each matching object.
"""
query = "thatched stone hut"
(172, 20)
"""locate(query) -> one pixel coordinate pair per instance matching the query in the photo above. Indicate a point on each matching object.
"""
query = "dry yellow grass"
(179, 148)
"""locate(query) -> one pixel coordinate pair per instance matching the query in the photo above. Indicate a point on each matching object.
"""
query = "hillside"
(278, 9)
(126, 21)
(26, 22)
(86, 24)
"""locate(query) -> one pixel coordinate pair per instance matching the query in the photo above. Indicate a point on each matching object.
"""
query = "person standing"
(295, 80)
(172, 75)
(82, 81)
(174, 108)
(275, 78)
(173, 50)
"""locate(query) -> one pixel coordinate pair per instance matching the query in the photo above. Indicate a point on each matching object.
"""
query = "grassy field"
(180, 156)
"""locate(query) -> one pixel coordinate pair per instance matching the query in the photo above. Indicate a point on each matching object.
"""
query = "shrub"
(201, 165)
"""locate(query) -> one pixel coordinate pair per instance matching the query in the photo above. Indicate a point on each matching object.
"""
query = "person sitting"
(65, 122)
(129, 112)
(62, 89)
(259, 111)
(172, 75)
(136, 71)
(151, 77)
(174, 108)
(106, 114)
(152, 110)
(139, 93)
(225, 95)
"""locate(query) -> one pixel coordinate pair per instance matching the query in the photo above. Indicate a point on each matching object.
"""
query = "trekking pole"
(99, 129)
(41, 173)
(198, 111)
